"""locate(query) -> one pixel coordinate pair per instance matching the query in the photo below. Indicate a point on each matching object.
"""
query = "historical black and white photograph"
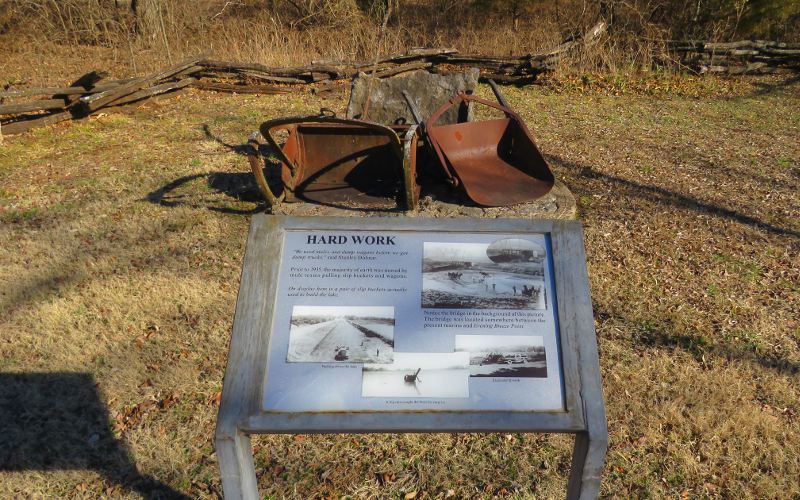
(424, 375)
(341, 334)
(506, 274)
(504, 355)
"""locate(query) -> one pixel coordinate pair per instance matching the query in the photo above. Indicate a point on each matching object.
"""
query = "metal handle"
(500, 97)
(413, 107)
(462, 97)
(258, 172)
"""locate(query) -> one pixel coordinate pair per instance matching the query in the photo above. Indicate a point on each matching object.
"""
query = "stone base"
(428, 90)
(559, 203)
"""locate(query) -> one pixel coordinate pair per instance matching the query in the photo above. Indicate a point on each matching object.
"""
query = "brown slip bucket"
(343, 163)
(496, 161)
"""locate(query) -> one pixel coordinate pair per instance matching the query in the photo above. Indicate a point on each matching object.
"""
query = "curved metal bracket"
(258, 172)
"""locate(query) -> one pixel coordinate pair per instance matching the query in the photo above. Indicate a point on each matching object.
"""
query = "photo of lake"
(421, 375)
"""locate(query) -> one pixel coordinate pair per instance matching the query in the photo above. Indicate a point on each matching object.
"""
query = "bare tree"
(147, 14)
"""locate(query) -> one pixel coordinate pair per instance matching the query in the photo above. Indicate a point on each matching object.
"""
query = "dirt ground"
(122, 242)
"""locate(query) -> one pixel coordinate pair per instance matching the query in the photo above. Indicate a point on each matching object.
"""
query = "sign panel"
(412, 325)
(374, 321)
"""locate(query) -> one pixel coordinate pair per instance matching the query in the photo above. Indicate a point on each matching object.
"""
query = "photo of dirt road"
(507, 274)
(341, 334)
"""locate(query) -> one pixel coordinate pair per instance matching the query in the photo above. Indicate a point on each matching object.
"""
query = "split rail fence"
(91, 92)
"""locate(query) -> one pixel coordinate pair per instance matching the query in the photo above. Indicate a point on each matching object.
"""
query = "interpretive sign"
(412, 325)
(388, 320)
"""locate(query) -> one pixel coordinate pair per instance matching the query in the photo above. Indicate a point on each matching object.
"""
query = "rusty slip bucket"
(342, 163)
(495, 161)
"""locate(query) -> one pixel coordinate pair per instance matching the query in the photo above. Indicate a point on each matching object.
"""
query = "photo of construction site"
(341, 334)
(504, 355)
(506, 274)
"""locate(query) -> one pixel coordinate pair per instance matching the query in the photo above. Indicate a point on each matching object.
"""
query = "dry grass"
(122, 244)
(37, 51)
(45, 43)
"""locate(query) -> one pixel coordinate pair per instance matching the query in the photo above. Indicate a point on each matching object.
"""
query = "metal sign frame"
(241, 414)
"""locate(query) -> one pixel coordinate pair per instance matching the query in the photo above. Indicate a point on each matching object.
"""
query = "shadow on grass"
(240, 186)
(659, 195)
(652, 335)
(655, 333)
(240, 149)
(767, 88)
(57, 421)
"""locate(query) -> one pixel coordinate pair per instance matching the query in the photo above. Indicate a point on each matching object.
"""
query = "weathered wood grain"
(244, 373)
(26, 107)
(577, 319)
(267, 70)
(403, 68)
(19, 127)
(508, 79)
(257, 75)
(155, 90)
(96, 101)
(240, 89)
(33, 91)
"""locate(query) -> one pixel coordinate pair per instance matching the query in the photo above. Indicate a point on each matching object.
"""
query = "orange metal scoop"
(496, 161)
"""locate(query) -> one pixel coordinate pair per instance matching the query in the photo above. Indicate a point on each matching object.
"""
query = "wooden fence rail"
(746, 56)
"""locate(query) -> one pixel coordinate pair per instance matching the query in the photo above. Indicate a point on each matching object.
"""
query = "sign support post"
(255, 398)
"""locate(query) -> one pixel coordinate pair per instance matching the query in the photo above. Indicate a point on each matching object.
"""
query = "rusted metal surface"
(342, 163)
(496, 162)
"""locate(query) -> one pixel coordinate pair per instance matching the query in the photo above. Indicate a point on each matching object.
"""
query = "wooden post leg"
(587, 467)
(235, 455)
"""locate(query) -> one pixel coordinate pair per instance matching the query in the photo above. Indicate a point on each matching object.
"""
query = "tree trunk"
(147, 18)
